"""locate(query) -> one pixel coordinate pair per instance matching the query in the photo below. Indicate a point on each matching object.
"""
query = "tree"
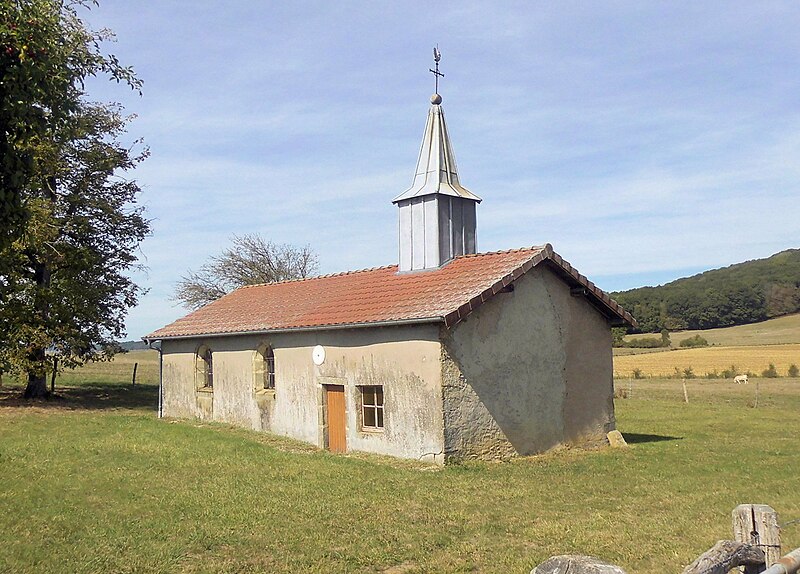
(45, 54)
(63, 280)
(250, 260)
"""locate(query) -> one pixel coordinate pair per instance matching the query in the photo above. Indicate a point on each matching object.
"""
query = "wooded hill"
(743, 293)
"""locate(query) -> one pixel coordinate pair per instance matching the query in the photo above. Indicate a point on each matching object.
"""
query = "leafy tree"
(736, 295)
(793, 371)
(251, 260)
(45, 55)
(618, 336)
(771, 372)
(63, 278)
(696, 341)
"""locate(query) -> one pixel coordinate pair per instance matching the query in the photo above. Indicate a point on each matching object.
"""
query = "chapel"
(449, 354)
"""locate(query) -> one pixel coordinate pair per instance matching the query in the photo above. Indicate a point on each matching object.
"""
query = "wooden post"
(757, 524)
(755, 406)
(133, 381)
(630, 388)
(53, 376)
(685, 392)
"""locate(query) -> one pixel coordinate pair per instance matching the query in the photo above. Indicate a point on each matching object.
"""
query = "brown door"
(337, 437)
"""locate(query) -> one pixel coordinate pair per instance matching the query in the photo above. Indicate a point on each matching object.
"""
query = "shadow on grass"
(86, 396)
(635, 438)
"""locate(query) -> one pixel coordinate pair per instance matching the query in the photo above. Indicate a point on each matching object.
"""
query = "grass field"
(753, 359)
(751, 348)
(778, 331)
(94, 482)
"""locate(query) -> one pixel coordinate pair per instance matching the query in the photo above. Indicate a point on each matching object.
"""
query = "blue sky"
(645, 140)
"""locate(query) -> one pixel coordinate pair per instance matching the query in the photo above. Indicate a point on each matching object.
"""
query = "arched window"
(204, 362)
(269, 377)
(264, 368)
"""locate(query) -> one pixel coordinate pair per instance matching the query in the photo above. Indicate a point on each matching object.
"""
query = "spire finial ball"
(436, 99)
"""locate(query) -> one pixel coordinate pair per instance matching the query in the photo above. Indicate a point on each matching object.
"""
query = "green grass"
(778, 331)
(93, 482)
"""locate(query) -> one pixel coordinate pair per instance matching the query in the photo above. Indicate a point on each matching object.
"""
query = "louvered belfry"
(437, 214)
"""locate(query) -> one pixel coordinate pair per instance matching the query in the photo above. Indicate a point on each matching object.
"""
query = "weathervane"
(437, 55)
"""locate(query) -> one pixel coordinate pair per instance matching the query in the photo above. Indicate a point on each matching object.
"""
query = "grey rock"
(616, 440)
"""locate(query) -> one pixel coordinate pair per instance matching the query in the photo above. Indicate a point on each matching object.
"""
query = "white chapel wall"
(404, 360)
(527, 371)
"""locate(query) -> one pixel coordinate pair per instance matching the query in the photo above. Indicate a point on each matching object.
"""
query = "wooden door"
(337, 435)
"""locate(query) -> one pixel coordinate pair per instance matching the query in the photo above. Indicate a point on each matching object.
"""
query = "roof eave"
(613, 311)
(388, 323)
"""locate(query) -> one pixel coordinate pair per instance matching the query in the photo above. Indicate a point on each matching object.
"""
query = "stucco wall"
(404, 360)
(527, 371)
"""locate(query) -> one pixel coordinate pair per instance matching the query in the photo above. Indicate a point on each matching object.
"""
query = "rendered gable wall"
(404, 360)
(527, 371)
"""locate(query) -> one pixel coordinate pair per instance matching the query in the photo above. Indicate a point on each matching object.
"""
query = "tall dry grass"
(753, 359)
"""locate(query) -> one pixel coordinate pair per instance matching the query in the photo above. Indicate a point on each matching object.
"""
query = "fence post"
(53, 377)
(757, 524)
(756, 404)
(685, 393)
(133, 381)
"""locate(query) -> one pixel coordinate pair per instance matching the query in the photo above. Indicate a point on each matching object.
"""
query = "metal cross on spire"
(437, 55)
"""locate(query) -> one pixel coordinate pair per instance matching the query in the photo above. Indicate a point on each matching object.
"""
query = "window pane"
(369, 417)
(209, 369)
(380, 418)
(368, 396)
(379, 396)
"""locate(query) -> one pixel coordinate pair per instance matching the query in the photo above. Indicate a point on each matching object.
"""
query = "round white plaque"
(318, 355)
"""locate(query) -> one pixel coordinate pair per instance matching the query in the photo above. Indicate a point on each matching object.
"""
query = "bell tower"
(437, 214)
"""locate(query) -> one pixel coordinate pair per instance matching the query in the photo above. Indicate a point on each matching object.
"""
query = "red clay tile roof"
(381, 295)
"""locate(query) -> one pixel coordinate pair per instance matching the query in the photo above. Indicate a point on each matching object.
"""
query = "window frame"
(369, 402)
(264, 369)
(204, 369)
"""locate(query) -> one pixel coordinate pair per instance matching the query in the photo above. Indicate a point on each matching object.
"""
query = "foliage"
(696, 341)
(645, 343)
(730, 372)
(743, 293)
(770, 372)
(45, 55)
(64, 284)
(618, 336)
(686, 373)
(251, 260)
(793, 371)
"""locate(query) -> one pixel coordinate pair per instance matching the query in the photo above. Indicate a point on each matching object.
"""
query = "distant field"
(753, 359)
(117, 371)
(781, 330)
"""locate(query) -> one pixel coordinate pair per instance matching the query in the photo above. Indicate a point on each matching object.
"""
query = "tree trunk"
(37, 386)
(37, 376)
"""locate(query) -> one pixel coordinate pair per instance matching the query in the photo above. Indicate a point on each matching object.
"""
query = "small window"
(264, 368)
(205, 368)
(372, 407)
(269, 368)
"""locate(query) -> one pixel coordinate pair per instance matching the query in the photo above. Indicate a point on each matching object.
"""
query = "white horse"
(740, 379)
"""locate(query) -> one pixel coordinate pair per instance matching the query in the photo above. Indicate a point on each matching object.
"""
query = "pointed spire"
(436, 167)
(437, 219)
